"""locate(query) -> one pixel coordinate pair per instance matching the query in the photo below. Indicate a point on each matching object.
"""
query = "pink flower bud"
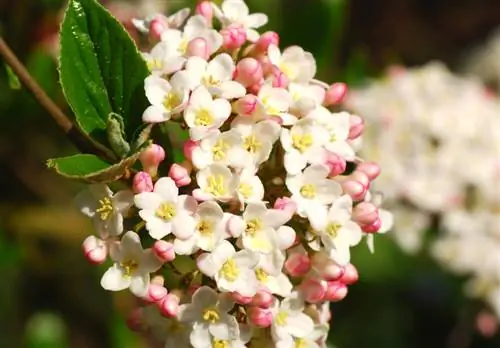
(313, 290)
(279, 79)
(95, 250)
(266, 39)
(151, 159)
(360, 177)
(233, 37)
(248, 72)
(189, 147)
(365, 213)
(260, 317)
(371, 169)
(297, 264)
(356, 126)
(335, 291)
(350, 275)
(246, 106)
(180, 175)
(142, 183)
(335, 94)
(326, 267)
(263, 299)
(164, 251)
(198, 47)
(373, 227)
(255, 89)
(158, 25)
(337, 164)
(238, 298)
(155, 293)
(354, 189)
(169, 306)
(205, 9)
(486, 324)
(134, 320)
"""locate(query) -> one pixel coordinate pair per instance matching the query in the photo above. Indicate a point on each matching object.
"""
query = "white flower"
(163, 59)
(337, 231)
(312, 191)
(209, 231)
(258, 227)
(224, 341)
(223, 148)
(258, 140)
(233, 271)
(132, 266)
(167, 98)
(273, 102)
(105, 208)
(277, 282)
(236, 12)
(318, 334)
(168, 331)
(173, 21)
(337, 125)
(297, 64)
(303, 144)
(289, 321)
(216, 76)
(305, 97)
(250, 188)
(204, 114)
(165, 211)
(216, 182)
(196, 27)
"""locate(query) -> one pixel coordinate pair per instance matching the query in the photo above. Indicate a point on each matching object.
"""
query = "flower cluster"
(248, 239)
(437, 138)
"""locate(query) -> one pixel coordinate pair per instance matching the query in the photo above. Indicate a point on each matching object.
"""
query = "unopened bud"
(205, 9)
(313, 290)
(158, 25)
(134, 320)
(248, 72)
(371, 169)
(373, 227)
(164, 251)
(198, 47)
(155, 293)
(151, 158)
(326, 267)
(335, 291)
(356, 126)
(297, 264)
(142, 183)
(180, 175)
(263, 299)
(350, 275)
(169, 306)
(188, 148)
(260, 317)
(335, 94)
(337, 164)
(233, 37)
(247, 105)
(365, 213)
(240, 299)
(95, 249)
(354, 189)
(266, 39)
(279, 79)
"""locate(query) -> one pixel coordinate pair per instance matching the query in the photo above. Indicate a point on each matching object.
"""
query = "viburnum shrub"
(241, 237)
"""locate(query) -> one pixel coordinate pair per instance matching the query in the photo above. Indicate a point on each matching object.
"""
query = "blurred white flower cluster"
(246, 241)
(437, 136)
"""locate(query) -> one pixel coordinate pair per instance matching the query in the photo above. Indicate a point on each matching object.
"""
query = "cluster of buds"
(430, 122)
(248, 238)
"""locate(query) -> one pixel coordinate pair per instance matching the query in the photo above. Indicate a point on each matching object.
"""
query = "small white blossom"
(250, 187)
(105, 208)
(205, 114)
(233, 271)
(216, 182)
(168, 331)
(273, 102)
(165, 211)
(297, 64)
(223, 148)
(163, 60)
(318, 334)
(289, 320)
(132, 266)
(305, 98)
(275, 281)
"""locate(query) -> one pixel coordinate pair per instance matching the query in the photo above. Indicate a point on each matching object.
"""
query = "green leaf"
(12, 78)
(101, 69)
(116, 133)
(92, 169)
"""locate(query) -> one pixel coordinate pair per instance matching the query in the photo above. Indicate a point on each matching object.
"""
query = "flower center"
(302, 142)
(252, 144)
(183, 45)
(332, 229)
(270, 109)
(203, 118)
(171, 101)
(261, 275)
(155, 64)
(129, 268)
(230, 270)
(281, 318)
(211, 315)
(333, 138)
(287, 70)
(253, 226)
(308, 191)
(205, 227)
(246, 190)
(166, 211)
(105, 208)
(216, 185)
(219, 150)
(210, 81)
(220, 344)
(300, 343)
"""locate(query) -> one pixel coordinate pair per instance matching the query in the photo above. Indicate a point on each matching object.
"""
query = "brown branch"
(83, 142)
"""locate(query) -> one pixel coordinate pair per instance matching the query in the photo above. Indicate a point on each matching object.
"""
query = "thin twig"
(84, 143)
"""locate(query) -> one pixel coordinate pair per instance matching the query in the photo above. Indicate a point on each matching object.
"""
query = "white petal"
(114, 279)
(183, 225)
(156, 89)
(148, 200)
(294, 162)
(235, 9)
(123, 200)
(315, 173)
(221, 67)
(300, 325)
(167, 189)
(286, 237)
(256, 20)
(155, 114)
(131, 244)
(139, 284)
(185, 247)
(232, 90)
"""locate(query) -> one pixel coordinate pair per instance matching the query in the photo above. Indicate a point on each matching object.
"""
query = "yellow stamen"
(302, 142)
(220, 344)
(155, 64)
(105, 208)
(253, 226)
(261, 275)
(300, 343)
(203, 118)
(166, 211)
(129, 268)
(211, 315)
(219, 150)
(281, 318)
(246, 190)
(270, 109)
(230, 270)
(171, 101)
(332, 229)
(205, 227)
(216, 185)
(308, 191)
(287, 70)
(210, 81)
(252, 144)
(183, 46)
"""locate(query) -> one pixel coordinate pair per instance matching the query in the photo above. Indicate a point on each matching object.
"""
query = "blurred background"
(50, 296)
